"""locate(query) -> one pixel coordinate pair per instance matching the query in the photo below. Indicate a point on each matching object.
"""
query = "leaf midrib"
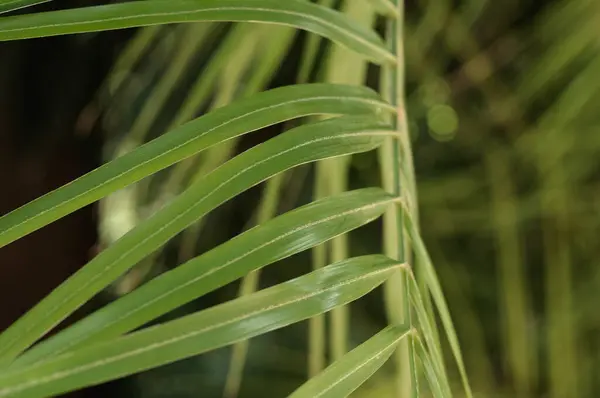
(230, 262)
(344, 32)
(179, 216)
(190, 141)
(177, 339)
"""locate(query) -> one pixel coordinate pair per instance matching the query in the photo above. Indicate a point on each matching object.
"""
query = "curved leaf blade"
(435, 288)
(353, 369)
(426, 329)
(219, 326)
(433, 377)
(300, 14)
(304, 144)
(244, 116)
(279, 238)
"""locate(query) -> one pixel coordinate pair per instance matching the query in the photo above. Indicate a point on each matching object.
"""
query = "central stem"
(397, 172)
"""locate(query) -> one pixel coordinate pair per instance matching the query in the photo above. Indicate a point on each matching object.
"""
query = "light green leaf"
(193, 38)
(244, 116)
(427, 330)
(354, 368)
(296, 13)
(308, 143)
(310, 50)
(216, 327)
(337, 171)
(263, 213)
(433, 378)
(229, 48)
(435, 288)
(386, 7)
(281, 237)
(129, 57)
(11, 5)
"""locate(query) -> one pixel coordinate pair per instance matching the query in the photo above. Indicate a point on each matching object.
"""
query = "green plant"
(97, 349)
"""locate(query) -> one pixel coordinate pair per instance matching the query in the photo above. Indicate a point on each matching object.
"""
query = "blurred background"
(503, 101)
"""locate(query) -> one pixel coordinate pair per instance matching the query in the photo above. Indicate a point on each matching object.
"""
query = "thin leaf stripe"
(149, 236)
(188, 142)
(177, 339)
(232, 261)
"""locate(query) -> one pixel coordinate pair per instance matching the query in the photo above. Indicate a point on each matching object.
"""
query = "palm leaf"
(433, 378)
(245, 116)
(282, 237)
(94, 350)
(349, 372)
(433, 285)
(222, 325)
(301, 145)
(296, 13)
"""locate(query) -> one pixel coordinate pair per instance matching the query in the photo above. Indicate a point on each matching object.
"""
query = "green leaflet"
(345, 375)
(281, 237)
(433, 378)
(426, 329)
(200, 91)
(216, 327)
(244, 116)
(433, 284)
(336, 172)
(193, 38)
(93, 350)
(263, 213)
(11, 5)
(310, 50)
(296, 13)
(129, 57)
(386, 7)
(308, 143)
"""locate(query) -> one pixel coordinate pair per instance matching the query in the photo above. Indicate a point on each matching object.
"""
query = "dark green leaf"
(348, 373)
(296, 13)
(281, 237)
(244, 116)
(222, 325)
(308, 143)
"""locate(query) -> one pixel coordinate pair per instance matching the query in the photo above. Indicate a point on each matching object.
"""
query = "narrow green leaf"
(129, 57)
(281, 237)
(337, 171)
(396, 161)
(275, 44)
(435, 288)
(304, 144)
(244, 116)
(229, 69)
(266, 210)
(216, 327)
(310, 50)
(317, 356)
(386, 7)
(433, 378)
(193, 38)
(12, 5)
(296, 13)
(353, 369)
(427, 331)
(199, 92)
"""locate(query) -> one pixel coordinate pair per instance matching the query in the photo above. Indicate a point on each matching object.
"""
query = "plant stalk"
(396, 161)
